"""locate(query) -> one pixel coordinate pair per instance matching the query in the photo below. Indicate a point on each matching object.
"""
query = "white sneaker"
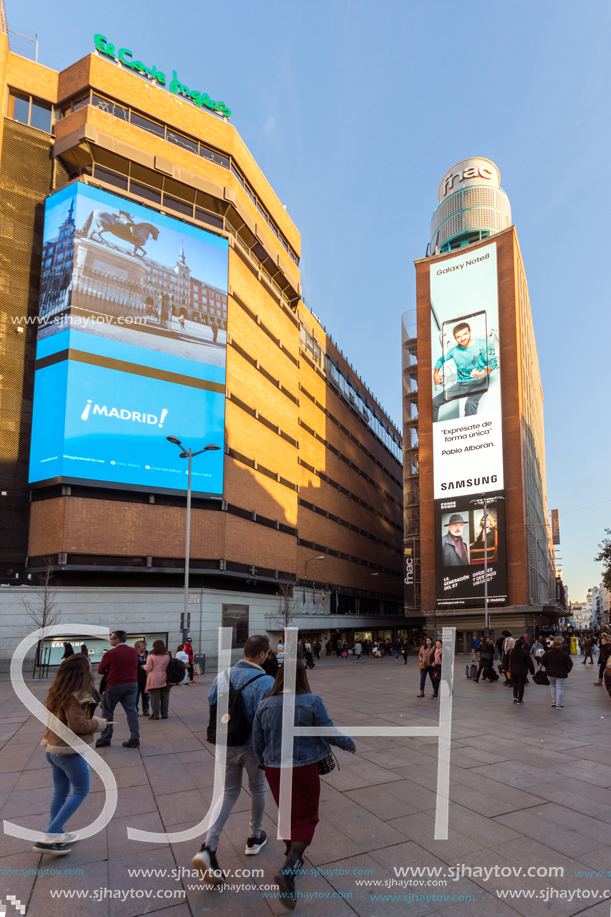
(206, 863)
(255, 844)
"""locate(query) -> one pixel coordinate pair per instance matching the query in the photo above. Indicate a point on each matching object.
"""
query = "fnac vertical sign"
(126, 57)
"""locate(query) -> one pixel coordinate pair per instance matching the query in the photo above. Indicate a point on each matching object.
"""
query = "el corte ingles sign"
(126, 57)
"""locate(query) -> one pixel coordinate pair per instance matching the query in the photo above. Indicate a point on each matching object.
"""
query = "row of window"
(348, 493)
(29, 110)
(161, 130)
(321, 548)
(353, 528)
(313, 350)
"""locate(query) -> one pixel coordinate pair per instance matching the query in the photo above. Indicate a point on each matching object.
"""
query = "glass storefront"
(95, 646)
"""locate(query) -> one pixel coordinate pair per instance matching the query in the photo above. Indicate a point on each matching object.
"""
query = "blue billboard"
(131, 346)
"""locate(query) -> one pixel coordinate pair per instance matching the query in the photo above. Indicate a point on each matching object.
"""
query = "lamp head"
(175, 440)
(212, 446)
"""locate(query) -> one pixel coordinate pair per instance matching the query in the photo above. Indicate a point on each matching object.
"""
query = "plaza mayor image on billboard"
(131, 346)
(467, 429)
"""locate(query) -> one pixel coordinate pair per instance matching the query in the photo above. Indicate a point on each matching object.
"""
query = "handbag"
(327, 764)
(422, 665)
(540, 678)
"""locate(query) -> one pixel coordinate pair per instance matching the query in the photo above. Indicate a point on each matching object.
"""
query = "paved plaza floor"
(530, 789)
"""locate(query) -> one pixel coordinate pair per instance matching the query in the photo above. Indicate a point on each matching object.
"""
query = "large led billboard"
(131, 346)
(467, 429)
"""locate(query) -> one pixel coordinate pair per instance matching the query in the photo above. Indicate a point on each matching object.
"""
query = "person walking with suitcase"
(486, 656)
(120, 665)
(249, 679)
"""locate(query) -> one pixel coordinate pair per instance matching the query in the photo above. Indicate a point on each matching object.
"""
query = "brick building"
(312, 491)
(471, 229)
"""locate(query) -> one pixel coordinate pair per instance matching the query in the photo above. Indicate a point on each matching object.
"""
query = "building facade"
(310, 499)
(475, 511)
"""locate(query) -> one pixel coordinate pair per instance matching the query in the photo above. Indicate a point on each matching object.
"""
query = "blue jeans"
(423, 674)
(68, 771)
(145, 699)
(126, 695)
(556, 687)
(397, 654)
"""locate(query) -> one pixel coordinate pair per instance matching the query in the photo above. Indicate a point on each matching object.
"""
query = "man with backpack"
(247, 684)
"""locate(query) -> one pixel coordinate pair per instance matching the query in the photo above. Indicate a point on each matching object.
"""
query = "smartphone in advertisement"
(475, 356)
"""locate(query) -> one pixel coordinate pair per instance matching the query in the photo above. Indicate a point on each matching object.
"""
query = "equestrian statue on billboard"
(122, 226)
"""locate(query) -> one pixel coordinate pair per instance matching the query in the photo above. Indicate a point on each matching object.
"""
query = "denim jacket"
(239, 674)
(309, 711)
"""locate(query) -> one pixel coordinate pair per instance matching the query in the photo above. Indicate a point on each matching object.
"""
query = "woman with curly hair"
(70, 700)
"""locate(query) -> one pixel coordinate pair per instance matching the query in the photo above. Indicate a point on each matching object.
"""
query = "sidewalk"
(530, 787)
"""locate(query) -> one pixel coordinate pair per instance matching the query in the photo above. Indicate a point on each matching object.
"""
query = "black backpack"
(176, 671)
(238, 725)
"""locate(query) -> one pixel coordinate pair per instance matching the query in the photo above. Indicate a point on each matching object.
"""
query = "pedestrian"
(84, 650)
(605, 652)
(317, 648)
(191, 666)
(270, 664)
(338, 648)
(358, 649)
(508, 645)
(70, 699)
(181, 320)
(183, 657)
(308, 751)
(557, 666)
(300, 650)
(140, 647)
(309, 656)
(329, 647)
(405, 651)
(120, 665)
(486, 657)
(156, 667)
(474, 647)
(249, 676)
(436, 676)
(397, 648)
(587, 649)
(537, 649)
(68, 650)
(426, 655)
(519, 665)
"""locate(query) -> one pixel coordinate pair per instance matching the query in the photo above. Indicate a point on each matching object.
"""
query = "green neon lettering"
(100, 43)
(123, 53)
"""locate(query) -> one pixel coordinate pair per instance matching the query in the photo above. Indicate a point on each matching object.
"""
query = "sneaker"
(131, 743)
(102, 744)
(71, 838)
(552, 705)
(206, 863)
(515, 700)
(559, 706)
(255, 844)
(520, 703)
(55, 849)
(194, 682)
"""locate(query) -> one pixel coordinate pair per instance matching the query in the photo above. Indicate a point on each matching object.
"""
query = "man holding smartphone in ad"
(475, 360)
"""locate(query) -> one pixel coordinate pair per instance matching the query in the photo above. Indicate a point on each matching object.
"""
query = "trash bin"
(573, 646)
(200, 660)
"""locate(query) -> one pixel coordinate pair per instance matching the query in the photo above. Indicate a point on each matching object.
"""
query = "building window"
(107, 105)
(28, 110)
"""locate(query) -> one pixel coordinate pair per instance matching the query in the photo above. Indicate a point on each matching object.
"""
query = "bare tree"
(287, 608)
(42, 611)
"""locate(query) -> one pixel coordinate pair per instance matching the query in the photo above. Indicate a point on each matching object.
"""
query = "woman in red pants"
(308, 751)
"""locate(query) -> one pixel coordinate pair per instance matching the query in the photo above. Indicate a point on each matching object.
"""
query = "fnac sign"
(467, 173)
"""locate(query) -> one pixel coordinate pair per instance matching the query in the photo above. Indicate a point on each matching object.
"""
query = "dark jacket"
(141, 673)
(520, 662)
(450, 555)
(270, 665)
(557, 663)
(486, 653)
(603, 655)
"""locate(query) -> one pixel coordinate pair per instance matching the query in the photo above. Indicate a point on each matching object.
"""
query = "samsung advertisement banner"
(467, 429)
(131, 346)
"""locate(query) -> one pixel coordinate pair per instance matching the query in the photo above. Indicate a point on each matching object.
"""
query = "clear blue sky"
(355, 110)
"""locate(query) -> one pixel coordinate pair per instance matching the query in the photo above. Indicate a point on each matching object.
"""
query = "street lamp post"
(305, 568)
(485, 500)
(188, 454)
